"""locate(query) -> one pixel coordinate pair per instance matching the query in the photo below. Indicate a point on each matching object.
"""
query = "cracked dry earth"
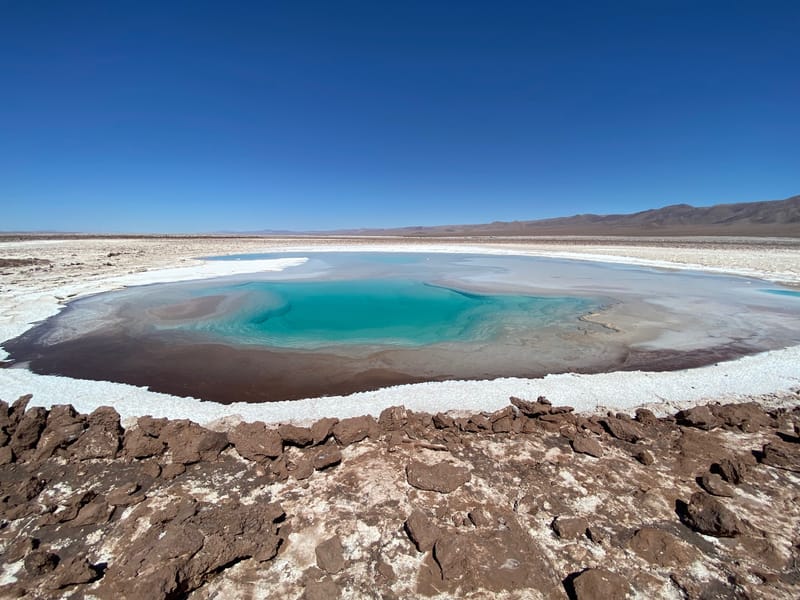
(532, 501)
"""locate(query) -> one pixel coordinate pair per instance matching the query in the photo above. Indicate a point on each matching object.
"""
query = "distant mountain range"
(776, 218)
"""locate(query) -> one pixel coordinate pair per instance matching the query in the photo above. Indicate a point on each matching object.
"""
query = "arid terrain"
(767, 218)
(532, 501)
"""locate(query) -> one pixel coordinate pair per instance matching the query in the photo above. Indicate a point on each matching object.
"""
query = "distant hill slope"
(769, 218)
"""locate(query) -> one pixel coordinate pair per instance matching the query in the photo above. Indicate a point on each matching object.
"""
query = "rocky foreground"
(532, 501)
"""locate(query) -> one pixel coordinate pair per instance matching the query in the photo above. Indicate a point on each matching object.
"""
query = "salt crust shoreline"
(774, 373)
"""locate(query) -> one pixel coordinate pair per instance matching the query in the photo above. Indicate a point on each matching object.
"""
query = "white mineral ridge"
(767, 373)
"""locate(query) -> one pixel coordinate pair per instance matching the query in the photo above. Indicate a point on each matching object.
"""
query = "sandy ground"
(37, 276)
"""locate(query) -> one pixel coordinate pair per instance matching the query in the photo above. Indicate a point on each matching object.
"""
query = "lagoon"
(352, 321)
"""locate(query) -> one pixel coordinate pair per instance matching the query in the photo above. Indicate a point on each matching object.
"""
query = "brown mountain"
(773, 218)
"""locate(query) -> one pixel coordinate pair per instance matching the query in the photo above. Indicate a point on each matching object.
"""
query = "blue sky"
(188, 116)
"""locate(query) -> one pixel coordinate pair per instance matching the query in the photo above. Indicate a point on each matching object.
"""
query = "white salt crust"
(770, 373)
(767, 373)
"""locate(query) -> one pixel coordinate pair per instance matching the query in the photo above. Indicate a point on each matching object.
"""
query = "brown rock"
(660, 548)
(584, 444)
(254, 441)
(593, 584)
(570, 527)
(644, 456)
(591, 425)
(6, 455)
(303, 469)
(172, 470)
(782, 455)
(279, 469)
(40, 562)
(74, 571)
(746, 416)
(19, 548)
(19, 496)
(322, 430)
(330, 556)
(503, 413)
(696, 450)
(73, 505)
(5, 420)
(393, 418)
(190, 443)
(503, 558)
(295, 436)
(700, 417)
(564, 423)
(479, 423)
(555, 424)
(126, 489)
(150, 468)
(625, 430)
(327, 456)
(96, 512)
(129, 500)
(64, 426)
(125, 495)
(421, 531)
(15, 412)
(480, 517)
(104, 416)
(102, 437)
(532, 409)
(138, 444)
(646, 417)
(355, 429)
(442, 477)
(27, 431)
(180, 551)
(732, 469)
(451, 556)
(443, 421)
(714, 484)
(503, 425)
(151, 426)
(530, 425)
(709, 588)
(466, 424)
(707, 515)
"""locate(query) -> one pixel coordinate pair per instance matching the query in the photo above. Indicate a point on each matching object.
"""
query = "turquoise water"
(314, 314)
(793, 293)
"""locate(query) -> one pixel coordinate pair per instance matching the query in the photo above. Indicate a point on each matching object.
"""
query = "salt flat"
(78, 267)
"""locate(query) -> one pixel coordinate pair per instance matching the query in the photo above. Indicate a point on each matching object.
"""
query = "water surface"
(352, 321)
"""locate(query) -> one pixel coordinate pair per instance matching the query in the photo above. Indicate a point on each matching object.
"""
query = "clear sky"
(185, 116)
